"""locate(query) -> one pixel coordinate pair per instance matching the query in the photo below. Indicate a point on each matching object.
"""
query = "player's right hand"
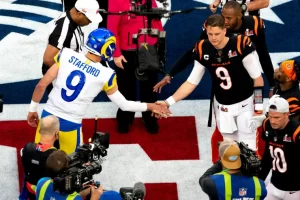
(213, 7)
(162, 83)
(159, 110)
(118, 61)
(33, 119)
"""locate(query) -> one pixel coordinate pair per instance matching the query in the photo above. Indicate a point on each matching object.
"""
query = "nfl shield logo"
(243, 191)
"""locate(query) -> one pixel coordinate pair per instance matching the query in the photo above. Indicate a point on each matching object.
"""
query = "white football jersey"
(78, 82)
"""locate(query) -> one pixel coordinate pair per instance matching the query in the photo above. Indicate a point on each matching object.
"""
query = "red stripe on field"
(165, 191)
(176, 140)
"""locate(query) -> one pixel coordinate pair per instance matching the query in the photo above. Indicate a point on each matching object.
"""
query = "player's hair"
(233, 5)
(215, 20)
(56, 163)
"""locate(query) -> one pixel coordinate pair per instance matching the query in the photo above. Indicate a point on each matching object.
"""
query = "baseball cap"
(110, 195)
(90, 8)
(278, 104)
(230, 154)
(288, 68)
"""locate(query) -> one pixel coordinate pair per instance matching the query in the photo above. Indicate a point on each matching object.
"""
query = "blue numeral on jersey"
(76, 88)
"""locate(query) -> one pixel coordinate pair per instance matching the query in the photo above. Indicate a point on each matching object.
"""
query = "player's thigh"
(70, 140)
(242, 121)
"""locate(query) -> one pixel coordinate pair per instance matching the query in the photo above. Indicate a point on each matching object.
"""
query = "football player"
(282, 137)
(236, 80)
(78, 79)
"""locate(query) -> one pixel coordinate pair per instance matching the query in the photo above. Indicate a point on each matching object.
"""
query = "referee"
(67, 31)
(103, 4)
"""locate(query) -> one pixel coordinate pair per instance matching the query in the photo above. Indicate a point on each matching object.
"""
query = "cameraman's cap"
(288, 68)
(110, 195)
(90, 8)
(278, 104)
(230, 154)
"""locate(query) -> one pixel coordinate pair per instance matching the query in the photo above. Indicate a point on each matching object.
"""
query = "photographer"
(225, 179)
(56, 163)
(34, 155)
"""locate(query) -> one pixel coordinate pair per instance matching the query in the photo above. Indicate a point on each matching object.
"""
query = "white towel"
(227, 123)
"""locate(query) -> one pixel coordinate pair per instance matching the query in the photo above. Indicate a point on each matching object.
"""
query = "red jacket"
(124, 26)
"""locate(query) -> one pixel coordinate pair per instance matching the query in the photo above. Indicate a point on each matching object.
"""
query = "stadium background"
(170, 162)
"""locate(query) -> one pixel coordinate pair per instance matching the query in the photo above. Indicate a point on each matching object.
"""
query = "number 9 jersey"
(78, 82)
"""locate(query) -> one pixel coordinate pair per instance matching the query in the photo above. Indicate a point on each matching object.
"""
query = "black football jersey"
(231, 81)
(254, 28)
(282, 152)
(292, 96)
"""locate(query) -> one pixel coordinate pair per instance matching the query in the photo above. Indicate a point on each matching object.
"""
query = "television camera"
(83, 164)
(137, 192)
(251, 164)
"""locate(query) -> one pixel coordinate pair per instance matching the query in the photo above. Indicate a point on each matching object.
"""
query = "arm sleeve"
(183, 62)
(263, 53)
(113, 22)
(252, 65)
(197, 73)
(125, 105)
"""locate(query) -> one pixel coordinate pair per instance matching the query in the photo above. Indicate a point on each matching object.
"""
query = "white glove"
(255, 122)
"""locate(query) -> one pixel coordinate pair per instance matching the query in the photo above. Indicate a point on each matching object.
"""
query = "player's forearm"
(36, 97)
(259, 82)
(125, 105)
(257, 4)
(183, 91)
(38, 92)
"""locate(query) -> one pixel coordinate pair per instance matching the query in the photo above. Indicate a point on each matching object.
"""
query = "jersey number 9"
(75, 88)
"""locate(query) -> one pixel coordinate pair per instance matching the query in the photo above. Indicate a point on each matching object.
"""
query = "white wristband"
(259, 106)
(33, 106)
(170, 100)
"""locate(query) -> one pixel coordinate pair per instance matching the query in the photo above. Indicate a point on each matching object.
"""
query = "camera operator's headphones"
(291, 69)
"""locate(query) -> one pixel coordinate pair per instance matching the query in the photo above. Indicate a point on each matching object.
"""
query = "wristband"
(258, 108)
(33, 106)
(170, 101)
(258, 100)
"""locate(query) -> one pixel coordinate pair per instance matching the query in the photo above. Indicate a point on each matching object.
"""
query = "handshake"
(160, 109)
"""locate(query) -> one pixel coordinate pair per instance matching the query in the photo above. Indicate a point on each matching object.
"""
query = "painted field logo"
(25, 16)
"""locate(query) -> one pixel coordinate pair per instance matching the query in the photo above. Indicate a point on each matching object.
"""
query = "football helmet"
(101, 42)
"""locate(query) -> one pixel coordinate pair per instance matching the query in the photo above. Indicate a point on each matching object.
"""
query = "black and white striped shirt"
(66, 33)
